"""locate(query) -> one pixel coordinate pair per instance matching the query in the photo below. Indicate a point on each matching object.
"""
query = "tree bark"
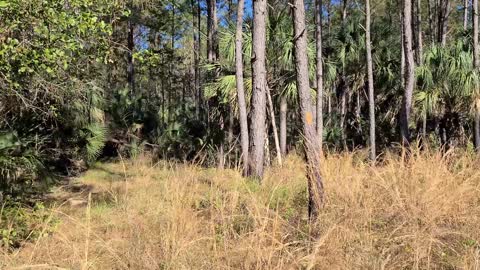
(409, 72)
(319, 74)
(476, 57)
(242, 105)
(419, 45)
(196, 57)
(371, 95)
(443, 15)
(312, 150)
(431, 21)
(259, 85)
(130, 64)
(283, 125)
(465, 15)
(212, 35)
(274, 127)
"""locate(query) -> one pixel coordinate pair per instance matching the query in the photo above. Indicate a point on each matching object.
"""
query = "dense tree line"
(231, 84)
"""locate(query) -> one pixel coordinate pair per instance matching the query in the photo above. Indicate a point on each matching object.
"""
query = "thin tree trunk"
(476, 57)
(409, 72)
(283, 125)
(419, 47)
(196, 57)
(312, 150)
(274, 127)
(431, 16)
(242, 105)
(259, 85)
(345, 88)
(343, 114)
(212, 57)
(130, 65)
(465, 15)
(443, 14)
(319, 74)
(402, 51)
(212, 26)
(371, 94)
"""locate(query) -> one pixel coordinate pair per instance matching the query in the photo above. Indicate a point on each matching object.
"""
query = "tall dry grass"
(417, 213)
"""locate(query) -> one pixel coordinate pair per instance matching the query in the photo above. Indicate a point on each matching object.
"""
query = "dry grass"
(420, 214)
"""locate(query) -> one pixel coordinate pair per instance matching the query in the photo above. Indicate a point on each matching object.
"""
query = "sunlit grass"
(417, 212)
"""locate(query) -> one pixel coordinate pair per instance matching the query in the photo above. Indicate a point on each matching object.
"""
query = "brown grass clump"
(420, 213)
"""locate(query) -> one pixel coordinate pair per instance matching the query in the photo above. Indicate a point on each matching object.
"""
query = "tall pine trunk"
(259, 88)
(196, 57)
(312, 149)
(443, 15)
(319, 74)
(409, 72)
(371, 101)
(476, 57)
(242, 105)
(212, 57)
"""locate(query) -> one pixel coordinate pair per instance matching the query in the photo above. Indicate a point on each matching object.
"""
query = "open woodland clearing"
(233, 134)
(422, 213)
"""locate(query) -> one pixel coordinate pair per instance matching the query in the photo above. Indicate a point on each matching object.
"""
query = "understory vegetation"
(233, 134)
(414, 211)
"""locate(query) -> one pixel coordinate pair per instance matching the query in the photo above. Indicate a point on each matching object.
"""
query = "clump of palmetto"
(417, 211)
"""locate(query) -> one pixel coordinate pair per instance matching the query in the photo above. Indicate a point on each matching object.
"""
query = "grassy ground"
(418, 214)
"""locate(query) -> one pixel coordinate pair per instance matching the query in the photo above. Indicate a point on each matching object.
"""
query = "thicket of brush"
(415, 211)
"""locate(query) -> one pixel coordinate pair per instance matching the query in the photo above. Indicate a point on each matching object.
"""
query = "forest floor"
(423, 213)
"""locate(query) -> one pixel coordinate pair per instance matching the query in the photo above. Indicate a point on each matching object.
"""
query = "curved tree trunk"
(259, 85)
(371, 101)
(319, 74)
(312, 150)
(409, 72)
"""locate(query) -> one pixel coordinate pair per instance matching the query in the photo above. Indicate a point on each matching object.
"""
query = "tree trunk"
(283, 125)
(476, 57)
(212, 57)
(371, 95)
(130, 64)
(196, 57)
(212, 35)
(274, 127)
(402, 52)
(312, 150)
(443, 14)
(465, 15)
(344, 90)
(419, 45)
(431, 21)
(242, 105)
(319, 74)
(409, 72)
(259, 85)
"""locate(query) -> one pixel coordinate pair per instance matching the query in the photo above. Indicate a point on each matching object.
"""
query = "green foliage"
(51, 102)
(20, 223)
